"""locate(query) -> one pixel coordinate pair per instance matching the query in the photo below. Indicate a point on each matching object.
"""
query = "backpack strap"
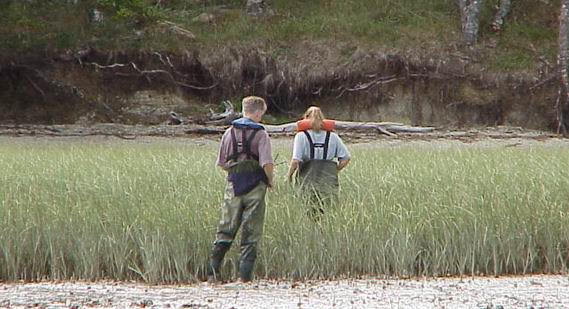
(313, 145)
(326, 143)
(235, 152)
(245, 145)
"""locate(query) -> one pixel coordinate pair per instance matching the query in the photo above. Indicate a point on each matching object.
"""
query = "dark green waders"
(248, 212)
(319, 184)
(243, 206)
(318, 179)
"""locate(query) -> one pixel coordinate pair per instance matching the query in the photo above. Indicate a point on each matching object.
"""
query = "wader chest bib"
(320, 175)
(246, 174)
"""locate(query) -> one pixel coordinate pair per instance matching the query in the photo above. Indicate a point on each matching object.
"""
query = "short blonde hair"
(316, 117)
(252, 104)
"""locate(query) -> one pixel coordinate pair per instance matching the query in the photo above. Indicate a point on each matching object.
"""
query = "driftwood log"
(387, 128)
(224, 118)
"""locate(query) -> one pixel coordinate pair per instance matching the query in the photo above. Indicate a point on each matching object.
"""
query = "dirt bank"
(481, 292)
(350, 83)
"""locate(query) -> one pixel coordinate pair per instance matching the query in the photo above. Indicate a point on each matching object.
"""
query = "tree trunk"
(563, 63)
(501, 14)
(470, 16)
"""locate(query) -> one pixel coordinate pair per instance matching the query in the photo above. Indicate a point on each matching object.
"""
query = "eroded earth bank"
(350, 83)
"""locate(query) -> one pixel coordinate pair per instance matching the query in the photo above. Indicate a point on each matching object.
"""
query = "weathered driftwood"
(225, 118)
(228, 112)
(173, 119)
(205, 130)
(387, 128)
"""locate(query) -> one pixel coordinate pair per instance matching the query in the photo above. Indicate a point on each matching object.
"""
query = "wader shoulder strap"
(311, 144)
(326, 143)
(318, 145)
(235, 146)
(245, 145)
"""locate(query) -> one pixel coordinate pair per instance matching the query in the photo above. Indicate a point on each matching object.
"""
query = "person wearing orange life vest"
(318, 155)
(245, 153)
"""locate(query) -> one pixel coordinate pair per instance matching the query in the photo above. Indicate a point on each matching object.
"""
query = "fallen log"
(225, 118)
(206, 130)
(387, 128)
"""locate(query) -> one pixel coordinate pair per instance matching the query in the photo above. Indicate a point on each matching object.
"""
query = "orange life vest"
(306, 124)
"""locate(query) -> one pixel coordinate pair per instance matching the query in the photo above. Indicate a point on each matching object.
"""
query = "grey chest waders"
(319, 175)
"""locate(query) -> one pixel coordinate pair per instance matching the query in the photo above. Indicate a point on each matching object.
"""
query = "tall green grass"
(148, 212)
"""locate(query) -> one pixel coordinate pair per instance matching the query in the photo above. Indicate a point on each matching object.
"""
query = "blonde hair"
(316, 117)
(252, 104)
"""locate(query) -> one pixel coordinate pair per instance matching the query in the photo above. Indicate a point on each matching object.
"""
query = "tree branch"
(147, 72)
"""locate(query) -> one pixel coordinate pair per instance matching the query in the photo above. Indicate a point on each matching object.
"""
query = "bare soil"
(536, 291)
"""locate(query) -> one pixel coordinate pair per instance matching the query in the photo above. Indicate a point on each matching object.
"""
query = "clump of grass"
(148, 212)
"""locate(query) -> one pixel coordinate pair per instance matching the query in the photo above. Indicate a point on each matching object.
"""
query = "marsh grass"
(148, 212)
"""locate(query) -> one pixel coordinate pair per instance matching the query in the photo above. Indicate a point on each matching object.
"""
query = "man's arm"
(224, 150)
(266, 157)
(269, 167)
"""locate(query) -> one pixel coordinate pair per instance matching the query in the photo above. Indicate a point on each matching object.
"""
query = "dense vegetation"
(148, 212)
(416, 27)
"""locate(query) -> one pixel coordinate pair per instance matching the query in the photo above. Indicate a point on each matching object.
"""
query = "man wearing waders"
(314, 152)
(245, 153)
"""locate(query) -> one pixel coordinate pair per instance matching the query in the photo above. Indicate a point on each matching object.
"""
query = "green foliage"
(128, 9)
(421, 26)
(148, 212)
(39, 26)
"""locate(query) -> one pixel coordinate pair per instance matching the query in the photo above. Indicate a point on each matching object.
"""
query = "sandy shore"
(480, 292)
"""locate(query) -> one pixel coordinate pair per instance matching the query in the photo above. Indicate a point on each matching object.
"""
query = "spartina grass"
(149, 212)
